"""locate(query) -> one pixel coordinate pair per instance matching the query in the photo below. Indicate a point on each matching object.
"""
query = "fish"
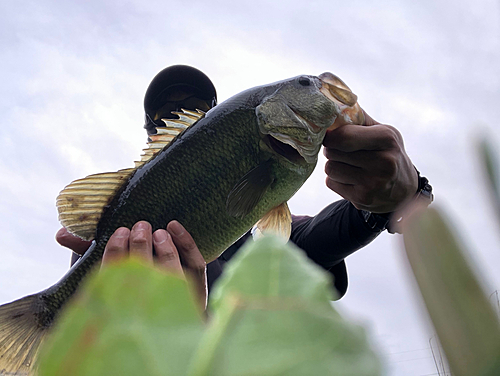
(218, 173)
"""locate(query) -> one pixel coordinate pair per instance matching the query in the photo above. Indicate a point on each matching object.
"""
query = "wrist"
(391, 221)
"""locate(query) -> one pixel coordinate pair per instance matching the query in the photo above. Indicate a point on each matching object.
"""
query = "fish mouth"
(339, 93)
(284, 149)
(312, 127)
(303, 146)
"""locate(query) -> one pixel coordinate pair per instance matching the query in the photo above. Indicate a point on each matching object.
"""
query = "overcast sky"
(73, 77)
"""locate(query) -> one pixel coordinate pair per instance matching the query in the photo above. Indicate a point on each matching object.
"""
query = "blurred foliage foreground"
(270, 314)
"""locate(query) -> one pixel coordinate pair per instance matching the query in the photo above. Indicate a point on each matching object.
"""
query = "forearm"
(333, 234)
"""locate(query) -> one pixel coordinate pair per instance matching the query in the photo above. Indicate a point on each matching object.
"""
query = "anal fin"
(277, 221)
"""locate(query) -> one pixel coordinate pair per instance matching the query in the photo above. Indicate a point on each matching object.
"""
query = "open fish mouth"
(304, 145)
(294, 149)
(286, 150)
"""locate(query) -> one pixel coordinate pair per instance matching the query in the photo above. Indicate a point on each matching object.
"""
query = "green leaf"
(273, 316)
(129, 320)
(488, 156)
(268, 267)
(465, 322)
(277, 336)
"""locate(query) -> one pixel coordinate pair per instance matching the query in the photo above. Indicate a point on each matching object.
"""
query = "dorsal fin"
(164, 135)
(81, 203)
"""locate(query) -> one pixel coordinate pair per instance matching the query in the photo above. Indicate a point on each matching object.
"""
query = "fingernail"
(160, 236)
(61, 233)
(122, 232)
(176, 228)
(141, 226)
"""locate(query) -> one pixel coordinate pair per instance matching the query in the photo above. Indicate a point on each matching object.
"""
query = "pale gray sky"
(74, 75)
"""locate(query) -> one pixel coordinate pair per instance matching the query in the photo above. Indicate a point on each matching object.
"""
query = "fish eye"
(304, 81)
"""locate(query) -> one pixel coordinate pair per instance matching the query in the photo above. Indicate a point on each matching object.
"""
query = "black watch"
(381, 222)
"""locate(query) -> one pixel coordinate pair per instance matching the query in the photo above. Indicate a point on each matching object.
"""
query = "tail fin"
(21, 333)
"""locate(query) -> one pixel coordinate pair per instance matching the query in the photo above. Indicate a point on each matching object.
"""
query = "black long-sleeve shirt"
(327, 238)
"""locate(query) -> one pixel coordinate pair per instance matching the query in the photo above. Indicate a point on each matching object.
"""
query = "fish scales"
(190, 182)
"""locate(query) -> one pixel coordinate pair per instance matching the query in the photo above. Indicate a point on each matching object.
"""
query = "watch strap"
(389, 221)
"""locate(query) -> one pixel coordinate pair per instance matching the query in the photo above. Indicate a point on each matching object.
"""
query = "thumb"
(73, 242)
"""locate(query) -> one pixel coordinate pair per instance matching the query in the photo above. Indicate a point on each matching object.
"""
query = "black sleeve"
(332, 235)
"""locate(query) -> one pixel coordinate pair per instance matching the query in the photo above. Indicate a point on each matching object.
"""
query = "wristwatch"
(387, 221)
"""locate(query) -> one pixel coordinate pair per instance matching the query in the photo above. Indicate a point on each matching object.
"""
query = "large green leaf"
(277, 336)
(464, 320)
(269, 267)
(129, 320)
(273, 316)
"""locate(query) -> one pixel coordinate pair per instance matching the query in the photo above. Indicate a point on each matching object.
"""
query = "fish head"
(294, 118)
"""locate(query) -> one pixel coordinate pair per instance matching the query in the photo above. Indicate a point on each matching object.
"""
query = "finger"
(343, 173)
(73, 242)
(358, 195)
(117, 246)
(190, 256)
(340, 188)
(349, 138)
(166, 253)
(186, 246)
(366, 159)
(347, 191)
(140, 242)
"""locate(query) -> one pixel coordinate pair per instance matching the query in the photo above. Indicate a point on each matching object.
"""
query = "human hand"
(73, 242)
(367, 165)
(174, 251)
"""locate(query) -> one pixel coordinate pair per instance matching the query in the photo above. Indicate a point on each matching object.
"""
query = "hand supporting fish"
(165, 248)
(228, 169)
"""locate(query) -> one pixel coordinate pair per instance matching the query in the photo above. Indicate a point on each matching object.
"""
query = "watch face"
(426, 194)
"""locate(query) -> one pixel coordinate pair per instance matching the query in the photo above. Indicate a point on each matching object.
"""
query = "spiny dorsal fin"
(81, 203)
(277, 221)
(164, 135)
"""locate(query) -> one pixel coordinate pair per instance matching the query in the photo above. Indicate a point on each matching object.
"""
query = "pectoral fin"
(278, 221)
(249, 190)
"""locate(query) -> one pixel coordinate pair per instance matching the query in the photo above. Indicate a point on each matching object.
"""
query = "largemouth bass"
(230, 168)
